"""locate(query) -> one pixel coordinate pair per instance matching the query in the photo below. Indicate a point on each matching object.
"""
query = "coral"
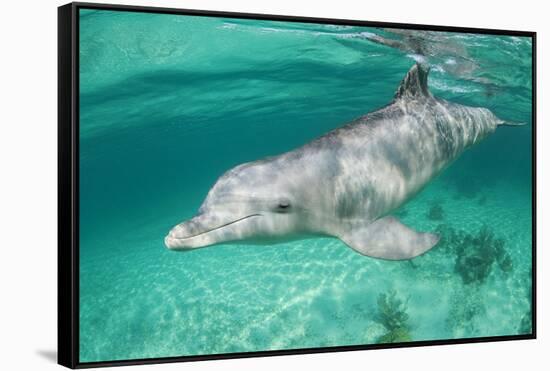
(476, 254)
(392, 314)
(450, 238)
(504, 261)
(436, 212)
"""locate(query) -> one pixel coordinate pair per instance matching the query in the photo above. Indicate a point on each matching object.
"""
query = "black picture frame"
(68, 183)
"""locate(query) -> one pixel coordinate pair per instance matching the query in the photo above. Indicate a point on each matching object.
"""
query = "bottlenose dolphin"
(345, 183)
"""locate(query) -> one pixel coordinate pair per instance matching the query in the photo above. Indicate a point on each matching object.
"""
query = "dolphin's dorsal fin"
(415, 83)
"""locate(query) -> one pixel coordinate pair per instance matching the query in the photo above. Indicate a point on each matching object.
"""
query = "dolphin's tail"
(510, 123)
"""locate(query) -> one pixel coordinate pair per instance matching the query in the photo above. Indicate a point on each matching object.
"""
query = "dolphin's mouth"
(197, 236)
(218, 227)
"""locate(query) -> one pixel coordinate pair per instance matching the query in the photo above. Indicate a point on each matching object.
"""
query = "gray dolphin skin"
(346, 183)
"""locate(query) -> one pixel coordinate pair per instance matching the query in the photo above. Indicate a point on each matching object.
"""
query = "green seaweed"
(397, 336)
(392, 314)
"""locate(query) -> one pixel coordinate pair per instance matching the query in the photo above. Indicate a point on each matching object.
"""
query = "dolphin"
(346, 183)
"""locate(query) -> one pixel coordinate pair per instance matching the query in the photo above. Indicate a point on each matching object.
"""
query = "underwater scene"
(170, 103)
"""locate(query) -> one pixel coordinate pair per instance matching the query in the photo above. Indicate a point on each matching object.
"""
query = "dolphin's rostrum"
(346, 183)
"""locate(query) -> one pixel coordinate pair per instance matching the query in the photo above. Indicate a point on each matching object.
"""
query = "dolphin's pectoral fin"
(388, 238)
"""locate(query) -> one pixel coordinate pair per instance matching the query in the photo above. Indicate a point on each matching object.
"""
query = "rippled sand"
(146, 301)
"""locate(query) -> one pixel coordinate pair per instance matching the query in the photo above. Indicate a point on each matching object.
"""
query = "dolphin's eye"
(283, 206)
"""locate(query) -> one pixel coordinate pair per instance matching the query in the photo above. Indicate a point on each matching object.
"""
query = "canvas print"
(251, 185)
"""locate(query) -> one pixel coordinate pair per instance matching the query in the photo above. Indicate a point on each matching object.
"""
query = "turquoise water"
(168, 103)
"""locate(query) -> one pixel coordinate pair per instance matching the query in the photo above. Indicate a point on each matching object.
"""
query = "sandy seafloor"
(169, 103)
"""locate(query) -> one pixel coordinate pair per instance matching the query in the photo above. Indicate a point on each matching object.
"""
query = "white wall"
(28, 181)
